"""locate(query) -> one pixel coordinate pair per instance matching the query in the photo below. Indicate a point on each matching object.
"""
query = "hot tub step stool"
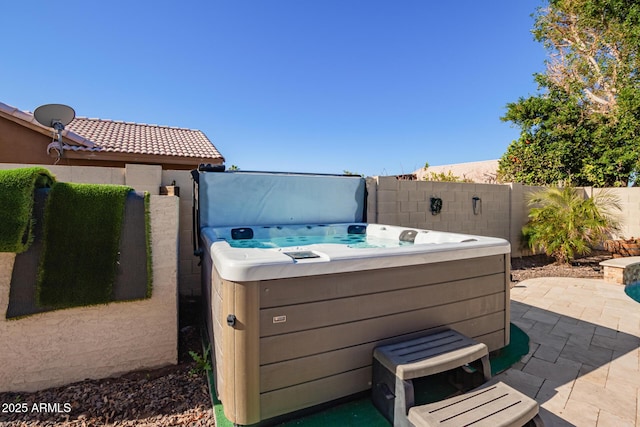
(492, 405)
(395, 366)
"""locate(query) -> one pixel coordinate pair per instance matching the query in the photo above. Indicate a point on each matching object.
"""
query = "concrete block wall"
(407, 203)
(630, 210)
(372, 197)
(519, 216)
(60, 347)
(503, 211)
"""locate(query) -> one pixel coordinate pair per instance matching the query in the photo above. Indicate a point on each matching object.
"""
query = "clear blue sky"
(371, 86)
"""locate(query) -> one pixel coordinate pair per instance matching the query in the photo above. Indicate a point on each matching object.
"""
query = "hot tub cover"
(266, 198)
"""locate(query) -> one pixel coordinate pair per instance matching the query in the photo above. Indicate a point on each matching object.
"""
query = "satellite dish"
(55, 116)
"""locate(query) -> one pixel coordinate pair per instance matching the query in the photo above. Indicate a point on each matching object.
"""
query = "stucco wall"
(65, 346)
(19, 144)
(188, 268)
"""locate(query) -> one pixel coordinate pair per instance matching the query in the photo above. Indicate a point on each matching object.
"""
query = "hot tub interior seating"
(294, 325)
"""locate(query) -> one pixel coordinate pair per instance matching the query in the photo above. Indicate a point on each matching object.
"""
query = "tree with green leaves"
(583, 127)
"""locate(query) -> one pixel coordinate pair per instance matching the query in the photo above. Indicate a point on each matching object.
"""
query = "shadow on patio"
(583, 365)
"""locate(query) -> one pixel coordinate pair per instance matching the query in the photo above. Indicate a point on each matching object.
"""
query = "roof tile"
(126, 137)
(100, 135)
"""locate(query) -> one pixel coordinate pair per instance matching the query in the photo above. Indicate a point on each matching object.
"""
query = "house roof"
(136, 138)
(95, 136)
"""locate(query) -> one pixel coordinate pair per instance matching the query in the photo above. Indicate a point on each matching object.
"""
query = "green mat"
(81, 238)
(502, 359)
(362, 413)
(17, 188)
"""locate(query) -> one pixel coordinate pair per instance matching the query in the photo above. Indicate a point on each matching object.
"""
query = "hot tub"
(294, 309)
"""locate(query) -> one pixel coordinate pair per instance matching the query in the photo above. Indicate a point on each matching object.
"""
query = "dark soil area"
(171, 396)
(178, 396)
(542, 266)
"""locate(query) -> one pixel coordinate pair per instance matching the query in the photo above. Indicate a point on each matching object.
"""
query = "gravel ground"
(542, 266)
(175, 396)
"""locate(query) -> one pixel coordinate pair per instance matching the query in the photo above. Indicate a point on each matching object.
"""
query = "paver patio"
(583, 366)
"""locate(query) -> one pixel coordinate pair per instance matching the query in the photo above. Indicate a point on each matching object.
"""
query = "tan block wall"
(372, 197)
(519, 216)
(504, 209)
(60, 347)
(630, 210)
(407, 203)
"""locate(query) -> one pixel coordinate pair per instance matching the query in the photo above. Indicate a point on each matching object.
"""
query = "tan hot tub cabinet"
(286, 344)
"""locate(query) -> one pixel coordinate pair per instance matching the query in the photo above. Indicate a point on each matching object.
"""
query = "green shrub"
(562, 223)
(203, 363)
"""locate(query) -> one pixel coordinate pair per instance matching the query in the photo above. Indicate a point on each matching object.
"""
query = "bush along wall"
(91, 246)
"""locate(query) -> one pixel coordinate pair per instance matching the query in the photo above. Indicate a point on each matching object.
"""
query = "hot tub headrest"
(264, 198)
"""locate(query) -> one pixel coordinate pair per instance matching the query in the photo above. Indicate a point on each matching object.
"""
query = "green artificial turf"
(82, 229)
(16, 204)
(502, 359)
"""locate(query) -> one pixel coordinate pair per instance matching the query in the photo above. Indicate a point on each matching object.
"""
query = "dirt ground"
(542, 266)
(178, 396)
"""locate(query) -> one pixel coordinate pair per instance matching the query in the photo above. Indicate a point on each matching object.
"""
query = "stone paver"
(583, 365)
(563, 370)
